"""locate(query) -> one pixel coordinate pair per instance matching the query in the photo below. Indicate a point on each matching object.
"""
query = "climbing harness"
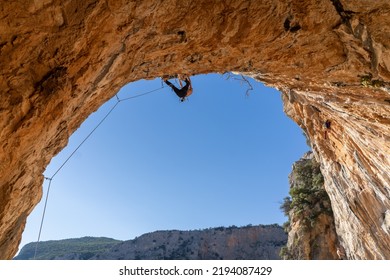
(184, 91)
(50, 179)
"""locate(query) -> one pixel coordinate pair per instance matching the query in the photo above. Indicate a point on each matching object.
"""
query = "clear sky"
(221, 158)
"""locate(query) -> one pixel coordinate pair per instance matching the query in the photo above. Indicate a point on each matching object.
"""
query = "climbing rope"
(50, 179)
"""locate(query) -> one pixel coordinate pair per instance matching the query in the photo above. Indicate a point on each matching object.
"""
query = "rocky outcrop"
(232, 243)
(311, 228)
(60, 60)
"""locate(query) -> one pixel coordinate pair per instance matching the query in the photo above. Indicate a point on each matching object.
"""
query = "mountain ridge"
(248, 242)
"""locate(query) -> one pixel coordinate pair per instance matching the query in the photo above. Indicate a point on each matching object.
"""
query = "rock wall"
(262, 242)
(60, 60)
(232, 243)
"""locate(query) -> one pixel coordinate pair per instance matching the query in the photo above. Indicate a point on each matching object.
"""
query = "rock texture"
(232, 243)
(311, 228)
(246, 243)
(60, 60)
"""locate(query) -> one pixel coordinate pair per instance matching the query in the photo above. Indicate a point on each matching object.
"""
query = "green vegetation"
(367, 81)
(284, 253)
(175, 245)
(81, 248)
(286, 205)
(308, 198)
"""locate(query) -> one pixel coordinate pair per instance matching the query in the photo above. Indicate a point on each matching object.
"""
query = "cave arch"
(215, 153)
(61, 61)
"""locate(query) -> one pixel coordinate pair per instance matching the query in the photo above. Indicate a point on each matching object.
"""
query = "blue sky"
(221, 158)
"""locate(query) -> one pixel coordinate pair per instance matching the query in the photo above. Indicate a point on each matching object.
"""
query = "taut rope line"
(50, 179)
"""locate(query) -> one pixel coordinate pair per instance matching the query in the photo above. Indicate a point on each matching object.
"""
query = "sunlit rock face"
(61, 60)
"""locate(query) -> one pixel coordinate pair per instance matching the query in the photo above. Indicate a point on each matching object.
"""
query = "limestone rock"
(262, 242)
(232, 243)
(60, 60)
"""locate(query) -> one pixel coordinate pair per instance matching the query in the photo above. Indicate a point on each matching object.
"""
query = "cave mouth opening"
(222, 158)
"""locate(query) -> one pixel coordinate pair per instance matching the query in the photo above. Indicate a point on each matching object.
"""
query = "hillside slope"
(244, 243)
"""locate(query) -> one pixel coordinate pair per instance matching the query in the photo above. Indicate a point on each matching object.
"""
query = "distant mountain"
(261, 242)
(76, 248)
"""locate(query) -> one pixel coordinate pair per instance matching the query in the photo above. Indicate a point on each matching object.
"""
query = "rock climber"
(327, 127)
(183, 92)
